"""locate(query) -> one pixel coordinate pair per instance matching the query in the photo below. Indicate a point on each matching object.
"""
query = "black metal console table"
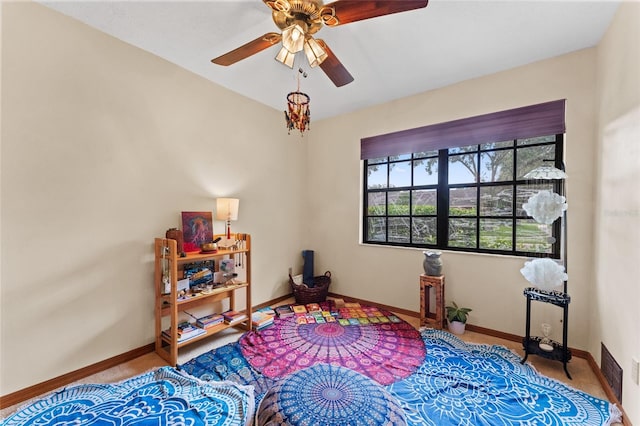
(531, 344)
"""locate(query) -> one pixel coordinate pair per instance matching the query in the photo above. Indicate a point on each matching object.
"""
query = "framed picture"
(197, 228)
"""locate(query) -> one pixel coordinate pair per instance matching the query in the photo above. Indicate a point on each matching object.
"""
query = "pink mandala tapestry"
(370, 341)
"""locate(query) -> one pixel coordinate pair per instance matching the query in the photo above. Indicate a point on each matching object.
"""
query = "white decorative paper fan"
(544, 273)
(545, 207)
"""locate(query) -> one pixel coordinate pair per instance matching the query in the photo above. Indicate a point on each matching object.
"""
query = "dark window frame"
(443, 214)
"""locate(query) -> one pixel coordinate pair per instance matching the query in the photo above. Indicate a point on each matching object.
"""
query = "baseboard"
(49, 385)
(605, 386)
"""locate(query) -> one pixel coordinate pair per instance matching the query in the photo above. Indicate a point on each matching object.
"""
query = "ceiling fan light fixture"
(285, 57)
(293, 36)
(315, 53)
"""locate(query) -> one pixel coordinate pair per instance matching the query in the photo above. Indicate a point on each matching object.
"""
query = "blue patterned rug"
(160, 397)
(458, 384)
(329, 395)
(468, 384)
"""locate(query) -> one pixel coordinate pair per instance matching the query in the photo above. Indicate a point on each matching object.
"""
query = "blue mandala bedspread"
(469, 384)
(159, 397)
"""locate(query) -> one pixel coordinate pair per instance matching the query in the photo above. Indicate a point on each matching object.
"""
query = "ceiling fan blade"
(345, 11)
(246, 50)
(333, 68)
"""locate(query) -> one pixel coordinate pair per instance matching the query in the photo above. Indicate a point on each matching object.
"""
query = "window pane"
(462, 201)
(496, 166)
(496, 234)
(399, 229)
(425, 172)
(539, 139)
(425, 230)
(463, 168)
(425, 154)
(377, 204)
(400, 157)
(398, 203)
(496, 200)
(400, 174)
(531, 157)
(425, 202)
(377, 229)
(462, 149)
(462, 233)
(533, 237)
(524, 192)
(494, 145)
(377, 176)
(377, 160)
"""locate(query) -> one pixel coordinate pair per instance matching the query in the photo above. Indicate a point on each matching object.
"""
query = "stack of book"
(261, 320)
(186, 331)
(209, 321)
(284, 311)
(232, 317)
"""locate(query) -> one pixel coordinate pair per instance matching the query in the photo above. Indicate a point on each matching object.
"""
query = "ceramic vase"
(457, 327)
(432, 263)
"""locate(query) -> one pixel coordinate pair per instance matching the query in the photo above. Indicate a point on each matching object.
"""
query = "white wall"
(103, 145)
(616, 295)
(490, 285)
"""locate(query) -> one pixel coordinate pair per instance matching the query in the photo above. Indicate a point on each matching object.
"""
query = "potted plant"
(457, 318)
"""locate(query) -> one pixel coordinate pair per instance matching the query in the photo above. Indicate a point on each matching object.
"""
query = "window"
(464, 197)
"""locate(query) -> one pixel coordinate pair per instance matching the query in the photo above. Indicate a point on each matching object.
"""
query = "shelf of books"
(206, 281)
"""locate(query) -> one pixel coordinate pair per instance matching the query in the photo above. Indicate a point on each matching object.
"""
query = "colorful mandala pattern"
(227, 363)
(328, 395)
(467, 384)
(383, 352)
(160, 397)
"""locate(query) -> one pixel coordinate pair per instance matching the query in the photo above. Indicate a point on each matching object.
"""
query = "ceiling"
(390, 57)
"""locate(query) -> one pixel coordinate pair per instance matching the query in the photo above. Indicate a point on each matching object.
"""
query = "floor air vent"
(611, 371)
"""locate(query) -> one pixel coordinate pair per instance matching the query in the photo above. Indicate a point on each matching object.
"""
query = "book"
(263, 326)
(284, 311)
(185, 331)
(209, 320)
(234, 317)
(259, 318)
(344, 321)
(267, 310)
(301, 320)
(313, 307)
(299, 309)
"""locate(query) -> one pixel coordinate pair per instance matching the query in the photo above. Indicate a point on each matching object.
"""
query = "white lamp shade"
(286, 57)
(315, 53)
(293, 37)
(227, 208)
(544, 273)
(545, 207)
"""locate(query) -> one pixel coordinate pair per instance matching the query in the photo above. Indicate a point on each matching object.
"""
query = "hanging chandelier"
(297, 114)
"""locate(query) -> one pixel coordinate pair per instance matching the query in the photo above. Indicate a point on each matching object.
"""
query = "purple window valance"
(525, 122)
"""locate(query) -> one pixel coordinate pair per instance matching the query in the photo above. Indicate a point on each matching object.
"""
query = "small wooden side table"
(432, 319)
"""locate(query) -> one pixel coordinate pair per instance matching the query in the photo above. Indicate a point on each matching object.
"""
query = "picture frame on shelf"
(197, 228)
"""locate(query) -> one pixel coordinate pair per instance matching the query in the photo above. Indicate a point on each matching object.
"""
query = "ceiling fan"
(299, 20)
